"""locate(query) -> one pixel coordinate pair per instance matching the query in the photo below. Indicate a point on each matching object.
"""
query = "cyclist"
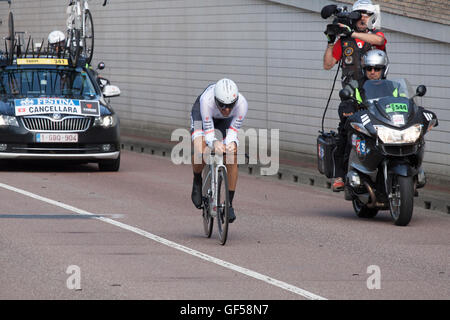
(57, 42)
(220, 107)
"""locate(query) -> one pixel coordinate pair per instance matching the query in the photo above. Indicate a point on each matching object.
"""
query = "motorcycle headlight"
(392, 136)
(8, 121)
(105, 121)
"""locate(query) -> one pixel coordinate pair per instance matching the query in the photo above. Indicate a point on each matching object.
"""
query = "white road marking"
(198, 254)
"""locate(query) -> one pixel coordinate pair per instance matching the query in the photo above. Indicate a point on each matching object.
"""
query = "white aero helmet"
(378, 59)
(55, 37)
(226, 93)
(367, 7)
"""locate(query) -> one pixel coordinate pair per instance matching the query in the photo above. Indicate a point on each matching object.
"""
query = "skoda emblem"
(57, 116)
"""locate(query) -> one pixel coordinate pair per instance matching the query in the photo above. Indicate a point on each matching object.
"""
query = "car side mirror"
(101, 66)
(421, 90)
(110, 91)
(345, 94)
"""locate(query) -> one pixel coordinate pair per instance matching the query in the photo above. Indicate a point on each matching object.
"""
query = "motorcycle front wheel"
(401, 201)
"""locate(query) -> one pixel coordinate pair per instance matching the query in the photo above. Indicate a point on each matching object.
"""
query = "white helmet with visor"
(368, 8)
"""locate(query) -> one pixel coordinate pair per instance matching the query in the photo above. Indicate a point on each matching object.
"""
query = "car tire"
(109, 165)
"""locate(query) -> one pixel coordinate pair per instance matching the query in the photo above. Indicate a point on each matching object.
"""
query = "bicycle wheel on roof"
(88, 37)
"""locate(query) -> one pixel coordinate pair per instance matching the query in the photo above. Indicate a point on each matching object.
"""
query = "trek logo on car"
(90, 108)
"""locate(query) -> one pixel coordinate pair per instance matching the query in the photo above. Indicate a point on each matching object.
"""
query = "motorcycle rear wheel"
(402, 190)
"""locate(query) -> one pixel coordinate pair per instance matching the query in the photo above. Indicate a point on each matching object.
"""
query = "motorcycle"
(387, 137)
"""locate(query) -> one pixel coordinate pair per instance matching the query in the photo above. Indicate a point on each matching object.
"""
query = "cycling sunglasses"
(377, 69)
(224, 106)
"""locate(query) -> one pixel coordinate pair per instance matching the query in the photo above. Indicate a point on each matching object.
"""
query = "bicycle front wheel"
(88, 38)
(208, 220)
(223, 205)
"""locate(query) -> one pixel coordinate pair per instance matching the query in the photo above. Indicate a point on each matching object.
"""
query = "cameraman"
(353, 44)
(350, 48)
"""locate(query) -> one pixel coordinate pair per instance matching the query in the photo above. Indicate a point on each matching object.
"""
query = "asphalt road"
(71, 232)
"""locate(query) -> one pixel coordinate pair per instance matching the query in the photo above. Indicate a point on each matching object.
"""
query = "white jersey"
(210, 111)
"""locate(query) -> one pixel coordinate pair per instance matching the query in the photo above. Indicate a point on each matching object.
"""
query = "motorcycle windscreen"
(377, 89)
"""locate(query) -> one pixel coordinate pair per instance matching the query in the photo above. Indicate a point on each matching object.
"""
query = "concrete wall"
(163, 53)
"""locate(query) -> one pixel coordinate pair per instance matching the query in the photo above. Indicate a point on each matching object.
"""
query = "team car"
(50, 109)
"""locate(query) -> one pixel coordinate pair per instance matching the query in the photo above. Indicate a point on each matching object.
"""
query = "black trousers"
(344, 146)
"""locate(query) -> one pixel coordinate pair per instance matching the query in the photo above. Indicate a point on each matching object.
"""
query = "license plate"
(57, 137)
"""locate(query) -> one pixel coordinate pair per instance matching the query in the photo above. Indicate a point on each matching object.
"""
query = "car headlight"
(8, 121)
(392, 136)
(105, 121)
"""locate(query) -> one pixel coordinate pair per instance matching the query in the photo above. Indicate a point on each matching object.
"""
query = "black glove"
(347, 31)
(330, 37)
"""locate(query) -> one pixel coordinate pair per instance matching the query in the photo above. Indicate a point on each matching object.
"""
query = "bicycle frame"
(77, 15)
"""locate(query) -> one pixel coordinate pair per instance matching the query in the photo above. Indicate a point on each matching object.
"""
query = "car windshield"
(46, 82)
(376, 89)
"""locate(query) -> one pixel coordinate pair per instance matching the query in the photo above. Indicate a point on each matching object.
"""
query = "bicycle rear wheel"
(223, 205)
(88, 39)
(208, 220)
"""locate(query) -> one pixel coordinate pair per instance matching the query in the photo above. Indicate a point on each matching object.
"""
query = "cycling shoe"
(231, 215)
(196, 194)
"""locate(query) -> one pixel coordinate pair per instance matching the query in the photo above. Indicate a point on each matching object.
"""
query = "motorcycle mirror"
(345, 94)
(421, 90)
(101, 66)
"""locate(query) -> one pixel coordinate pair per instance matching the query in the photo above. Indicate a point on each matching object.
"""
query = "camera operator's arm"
(328, 59)
(371, 38)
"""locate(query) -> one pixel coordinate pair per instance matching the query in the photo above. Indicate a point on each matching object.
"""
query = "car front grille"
(42, 124)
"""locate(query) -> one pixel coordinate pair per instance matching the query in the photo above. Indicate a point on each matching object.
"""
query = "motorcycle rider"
(375, 65)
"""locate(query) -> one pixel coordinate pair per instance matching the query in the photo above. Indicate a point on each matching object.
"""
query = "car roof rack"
(35, 50)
